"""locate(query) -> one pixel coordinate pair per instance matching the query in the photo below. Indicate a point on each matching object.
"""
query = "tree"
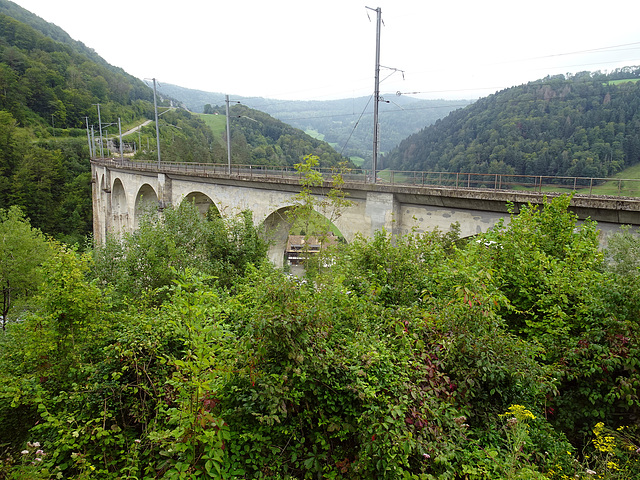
(314, 213)
(36, 186)
(13, 145)
(22, 251)
(162, 247)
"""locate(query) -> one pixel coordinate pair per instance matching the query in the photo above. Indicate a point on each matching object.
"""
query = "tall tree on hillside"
(36, 185)
(22, 251)
(12, 147)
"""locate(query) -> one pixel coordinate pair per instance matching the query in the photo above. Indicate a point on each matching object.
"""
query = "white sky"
(298, 49)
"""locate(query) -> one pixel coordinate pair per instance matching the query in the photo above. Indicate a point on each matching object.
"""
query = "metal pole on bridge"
(100, 128)
(120, 130)
(376, 97)
(226, 97)
(155, 107)
(89, 138)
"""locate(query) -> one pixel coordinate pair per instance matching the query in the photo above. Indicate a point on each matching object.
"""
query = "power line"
(355, 126)
(579, 52)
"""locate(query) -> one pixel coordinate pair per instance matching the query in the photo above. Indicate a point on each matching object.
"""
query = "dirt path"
(135, 129)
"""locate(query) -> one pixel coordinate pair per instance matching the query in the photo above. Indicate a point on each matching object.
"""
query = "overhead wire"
(355, 126)
(285, 118)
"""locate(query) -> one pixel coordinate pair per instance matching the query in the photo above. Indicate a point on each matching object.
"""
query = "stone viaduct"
(123, 191)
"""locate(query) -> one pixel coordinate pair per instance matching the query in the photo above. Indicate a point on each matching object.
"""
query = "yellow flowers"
(615, 453)
(612, 465)
(603, 443)
(519, 412)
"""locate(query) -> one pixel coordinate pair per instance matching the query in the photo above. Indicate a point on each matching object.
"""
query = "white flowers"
(38, 454)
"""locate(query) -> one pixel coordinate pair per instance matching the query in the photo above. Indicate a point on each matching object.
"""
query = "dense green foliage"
(41, 78)
(22, 251)
(52, 31)
(47, 83)
(510, 355)
(151, 257)
(587, 124)
(259, 139)
(49, 179)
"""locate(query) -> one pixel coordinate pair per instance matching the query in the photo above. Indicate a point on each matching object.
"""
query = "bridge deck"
(444, 189)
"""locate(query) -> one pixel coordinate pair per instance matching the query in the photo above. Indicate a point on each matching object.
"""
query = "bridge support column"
(164, 191)
(105, 201)
(101, 201)
(383, 210)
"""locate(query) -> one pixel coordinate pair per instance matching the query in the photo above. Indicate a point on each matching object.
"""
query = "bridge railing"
(453, 180)
(534, 183)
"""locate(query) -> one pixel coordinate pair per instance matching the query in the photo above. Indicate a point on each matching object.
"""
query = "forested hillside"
(587, 124)
(45, 83)
(50, 89)
(347, 124)
(54, 32)
(259, 139)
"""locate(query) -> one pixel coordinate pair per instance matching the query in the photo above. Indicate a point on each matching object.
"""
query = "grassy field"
(320, 136)
(217, 123)
(617, 82)
(629, 189)
(315, 134)
(357, 161)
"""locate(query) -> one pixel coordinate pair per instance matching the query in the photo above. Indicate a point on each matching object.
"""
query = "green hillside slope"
(259, 139)
(587, 124)
(50, 90)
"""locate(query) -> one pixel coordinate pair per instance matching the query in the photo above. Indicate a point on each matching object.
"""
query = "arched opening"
(146, 203)
(291, 239)
(205, 205)
(119, 210)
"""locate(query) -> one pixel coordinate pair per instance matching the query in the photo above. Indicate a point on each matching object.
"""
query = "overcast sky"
(299, 49)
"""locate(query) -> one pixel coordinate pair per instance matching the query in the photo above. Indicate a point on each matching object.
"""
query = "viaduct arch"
(123, 191)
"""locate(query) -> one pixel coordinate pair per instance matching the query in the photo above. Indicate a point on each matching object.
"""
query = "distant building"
(300, 247)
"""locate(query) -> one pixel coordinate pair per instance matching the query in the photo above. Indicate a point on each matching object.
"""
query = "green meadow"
(217, 123)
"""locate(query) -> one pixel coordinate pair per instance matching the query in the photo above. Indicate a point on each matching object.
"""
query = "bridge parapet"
(586, 186)
(123, 189)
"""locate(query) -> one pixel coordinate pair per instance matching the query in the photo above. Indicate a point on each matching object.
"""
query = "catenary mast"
(376, 95)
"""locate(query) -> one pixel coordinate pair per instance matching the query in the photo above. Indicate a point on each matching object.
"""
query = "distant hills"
(346, 124)
(587, 124)
(50, 88)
